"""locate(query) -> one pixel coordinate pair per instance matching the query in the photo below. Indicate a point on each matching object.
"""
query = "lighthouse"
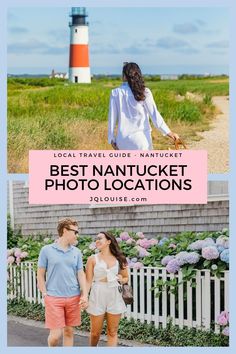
(79, 69)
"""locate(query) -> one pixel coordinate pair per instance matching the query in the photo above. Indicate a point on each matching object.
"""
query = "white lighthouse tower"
(79, 69)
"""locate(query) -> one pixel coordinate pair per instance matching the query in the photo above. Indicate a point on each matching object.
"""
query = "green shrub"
(207, 99)
(13, 236)
(134, 330)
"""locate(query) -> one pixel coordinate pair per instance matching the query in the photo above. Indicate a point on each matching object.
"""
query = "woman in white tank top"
(131, 106)
(104, 272)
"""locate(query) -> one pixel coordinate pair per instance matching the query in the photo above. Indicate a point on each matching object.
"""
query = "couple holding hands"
(67, 289)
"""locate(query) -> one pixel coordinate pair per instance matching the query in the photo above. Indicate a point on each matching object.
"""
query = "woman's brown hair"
(132, 73)
(115, 249)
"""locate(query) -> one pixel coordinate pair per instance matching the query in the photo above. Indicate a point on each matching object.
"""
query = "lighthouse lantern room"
(79, 69)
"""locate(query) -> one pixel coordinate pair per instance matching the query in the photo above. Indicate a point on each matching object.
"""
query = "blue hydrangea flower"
(200, 244)
(193, 257)
(196, 246)
(173, 266)
(162, 241)
(220, 248)
(209, 242)
(182, 257)
(166, 260)
(224, 256)
(223, 241)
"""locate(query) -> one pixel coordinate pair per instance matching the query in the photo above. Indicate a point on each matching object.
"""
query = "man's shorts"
(62, 311)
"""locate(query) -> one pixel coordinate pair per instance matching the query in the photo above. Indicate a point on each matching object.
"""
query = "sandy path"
(216, 140)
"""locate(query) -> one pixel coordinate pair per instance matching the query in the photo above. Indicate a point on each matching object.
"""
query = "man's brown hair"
(65, 224)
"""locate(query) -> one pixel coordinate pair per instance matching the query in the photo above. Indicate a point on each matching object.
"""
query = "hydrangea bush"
(185, 251)
(27, 249)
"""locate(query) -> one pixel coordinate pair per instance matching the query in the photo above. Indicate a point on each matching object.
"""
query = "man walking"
(64, 292)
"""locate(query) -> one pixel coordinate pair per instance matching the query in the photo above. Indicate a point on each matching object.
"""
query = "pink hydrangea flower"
(18, 260)
(10, 252)
(222, 321)
(223, 318)
(24, 254)
(142, 252)
(124, 236)
(153, 241)
(210, 252)
(138, 265)
(144, 243)
(10, 260)
(140, 235)
(17, 253)
(130, 241)
(172, 245)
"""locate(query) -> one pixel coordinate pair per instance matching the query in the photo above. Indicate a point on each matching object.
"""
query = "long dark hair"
(133, 74)
(115, 249)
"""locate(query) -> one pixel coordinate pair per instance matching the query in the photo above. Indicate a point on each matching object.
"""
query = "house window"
(76, 78)
(75, 30)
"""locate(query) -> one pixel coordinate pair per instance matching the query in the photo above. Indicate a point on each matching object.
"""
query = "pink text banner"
(117, 177)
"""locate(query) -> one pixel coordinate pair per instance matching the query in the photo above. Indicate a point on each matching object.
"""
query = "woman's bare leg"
(96, 324)
(112, 329)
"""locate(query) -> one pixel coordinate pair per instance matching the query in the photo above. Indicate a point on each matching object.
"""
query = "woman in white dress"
(130, 107)
(105, 271)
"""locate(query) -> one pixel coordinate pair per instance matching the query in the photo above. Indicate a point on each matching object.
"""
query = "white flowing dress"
(134, 130)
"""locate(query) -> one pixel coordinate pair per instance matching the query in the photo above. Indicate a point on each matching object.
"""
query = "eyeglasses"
(75, 231)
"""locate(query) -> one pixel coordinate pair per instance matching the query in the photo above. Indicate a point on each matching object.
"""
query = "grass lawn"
(52, 114)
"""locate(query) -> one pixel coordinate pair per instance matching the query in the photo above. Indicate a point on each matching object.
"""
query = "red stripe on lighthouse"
(79, 56)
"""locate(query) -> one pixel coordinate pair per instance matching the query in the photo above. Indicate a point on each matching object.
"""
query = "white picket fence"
(196, 306)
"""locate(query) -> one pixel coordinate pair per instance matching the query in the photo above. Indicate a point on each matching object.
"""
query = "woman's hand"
(119, 278)
(113, 144)
(123, 276)
(83, 302)
(173, 136)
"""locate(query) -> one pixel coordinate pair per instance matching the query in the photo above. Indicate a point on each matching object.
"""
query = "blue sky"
(160, 40)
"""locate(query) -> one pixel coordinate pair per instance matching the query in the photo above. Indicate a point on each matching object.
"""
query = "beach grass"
(53, 114)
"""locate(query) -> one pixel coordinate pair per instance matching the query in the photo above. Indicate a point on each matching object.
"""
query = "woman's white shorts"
(104, 298)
